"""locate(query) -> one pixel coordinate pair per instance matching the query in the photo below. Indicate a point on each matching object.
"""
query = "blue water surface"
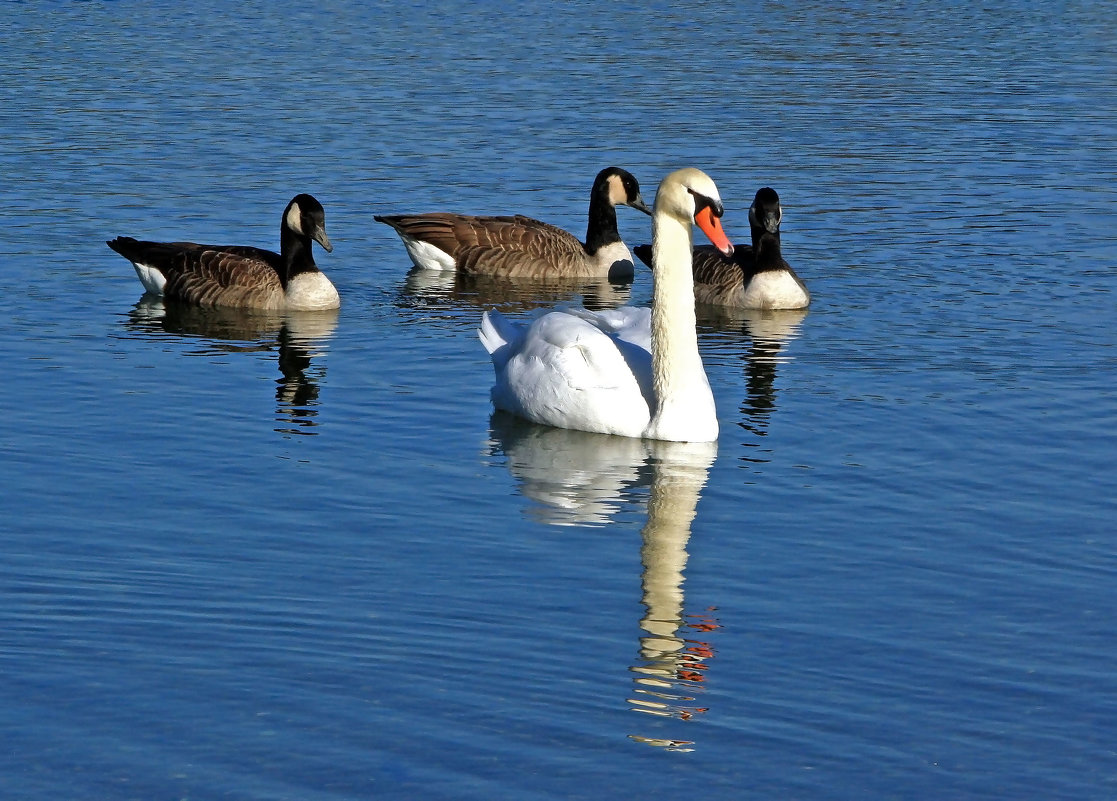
(299, 557)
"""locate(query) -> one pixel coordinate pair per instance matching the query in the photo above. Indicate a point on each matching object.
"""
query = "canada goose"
(630, 371)
(520, 247)
(239, 275)
(754, 277)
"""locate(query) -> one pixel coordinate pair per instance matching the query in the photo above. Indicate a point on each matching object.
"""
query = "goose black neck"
(766, 250)
(602, 228)
(295, 253)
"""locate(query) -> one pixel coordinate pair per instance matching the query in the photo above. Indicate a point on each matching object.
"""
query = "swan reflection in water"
(440, 288)
(578, 478)
(297, 338)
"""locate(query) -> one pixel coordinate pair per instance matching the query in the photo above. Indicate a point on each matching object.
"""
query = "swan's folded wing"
(631, 324)
(572, 373)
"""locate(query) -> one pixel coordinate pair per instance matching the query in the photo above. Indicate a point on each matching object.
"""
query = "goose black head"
(305, 216)
(621, 188)
(765, 213)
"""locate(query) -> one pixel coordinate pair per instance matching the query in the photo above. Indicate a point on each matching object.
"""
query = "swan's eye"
(702, 202)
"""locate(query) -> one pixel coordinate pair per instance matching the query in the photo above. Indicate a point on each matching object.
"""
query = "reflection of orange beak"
(711, 226)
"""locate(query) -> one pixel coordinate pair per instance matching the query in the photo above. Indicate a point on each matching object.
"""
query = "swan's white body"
(632, 372)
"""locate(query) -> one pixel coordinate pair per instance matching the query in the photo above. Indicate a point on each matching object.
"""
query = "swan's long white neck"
(682, 391)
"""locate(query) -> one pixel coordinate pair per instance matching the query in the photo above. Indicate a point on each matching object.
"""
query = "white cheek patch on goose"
(617, 193)
(295, 219)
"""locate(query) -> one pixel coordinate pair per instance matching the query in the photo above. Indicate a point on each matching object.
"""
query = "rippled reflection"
(297, 337)
(440, 288)
(573, 477)
(767, 334)
(673, 655)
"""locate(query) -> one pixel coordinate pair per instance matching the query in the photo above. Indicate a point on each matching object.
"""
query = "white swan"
(628, 371)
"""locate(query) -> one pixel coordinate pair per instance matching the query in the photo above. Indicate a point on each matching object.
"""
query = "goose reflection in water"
(445, 289)
(578, 478)
(297, 337)
(768, 334)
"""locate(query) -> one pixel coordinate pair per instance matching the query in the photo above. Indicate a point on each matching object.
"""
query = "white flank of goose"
(239, 275)
(521, 247)
(634, 372)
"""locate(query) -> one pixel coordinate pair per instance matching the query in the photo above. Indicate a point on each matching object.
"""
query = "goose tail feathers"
(124, 245)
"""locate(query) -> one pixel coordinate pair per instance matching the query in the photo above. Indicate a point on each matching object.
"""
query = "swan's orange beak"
(711, 226)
